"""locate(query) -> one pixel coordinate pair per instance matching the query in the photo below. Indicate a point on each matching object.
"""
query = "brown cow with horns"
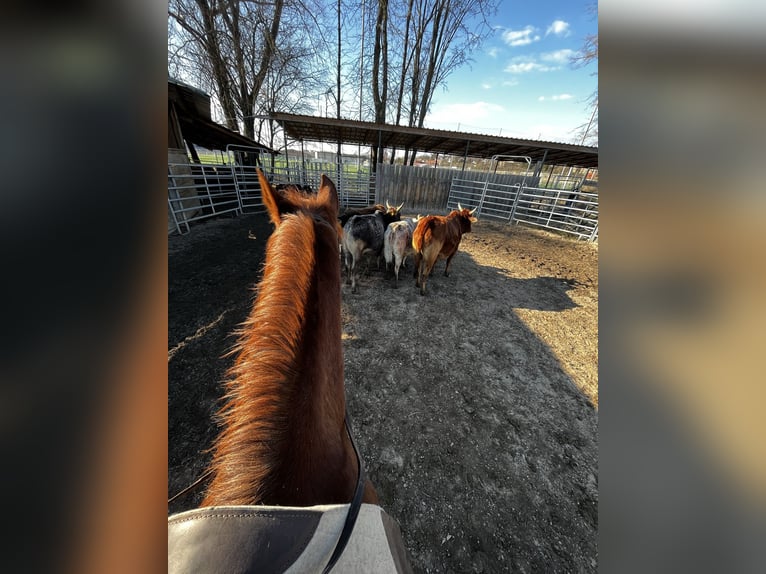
(437, 237)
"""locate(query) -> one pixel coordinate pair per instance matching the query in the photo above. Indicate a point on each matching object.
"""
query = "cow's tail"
(423, 227)
(388, 247)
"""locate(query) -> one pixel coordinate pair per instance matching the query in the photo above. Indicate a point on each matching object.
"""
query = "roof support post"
(539, 167)
(550, 173)
(378, 155)
(338, 171)
(287, 161)
(465, 156)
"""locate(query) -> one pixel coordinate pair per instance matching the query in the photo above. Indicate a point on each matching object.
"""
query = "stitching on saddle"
(292, 557)
(261, 514)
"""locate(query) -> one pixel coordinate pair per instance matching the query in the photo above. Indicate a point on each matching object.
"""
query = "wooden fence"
(419, 188)
(425, 189)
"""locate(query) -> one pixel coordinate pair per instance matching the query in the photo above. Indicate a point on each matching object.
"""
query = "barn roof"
(318, 129)
(192, 107)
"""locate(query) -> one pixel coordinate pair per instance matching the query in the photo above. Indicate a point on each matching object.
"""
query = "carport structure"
(342, 131)
(569, 204)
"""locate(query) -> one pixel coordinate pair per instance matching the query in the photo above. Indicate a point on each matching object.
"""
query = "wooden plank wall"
(422, 189)
(426, 190)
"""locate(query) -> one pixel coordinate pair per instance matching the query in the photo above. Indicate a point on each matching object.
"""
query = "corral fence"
(570, 206)
(560, 203)
(198, 191)
(420, 188)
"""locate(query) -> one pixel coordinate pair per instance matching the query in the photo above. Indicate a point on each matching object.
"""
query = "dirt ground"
(474, 407)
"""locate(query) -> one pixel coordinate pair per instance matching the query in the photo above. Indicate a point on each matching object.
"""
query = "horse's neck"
(320, 401)
(283, 439)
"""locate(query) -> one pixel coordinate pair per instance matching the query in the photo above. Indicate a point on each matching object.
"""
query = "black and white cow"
(364, 234)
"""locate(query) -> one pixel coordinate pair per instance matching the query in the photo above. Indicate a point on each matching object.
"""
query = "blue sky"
(521, 83)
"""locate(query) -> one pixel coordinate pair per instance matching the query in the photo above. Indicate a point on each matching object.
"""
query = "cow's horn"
(400, 206)
(474, 209)
(387, 206)
(459, 207)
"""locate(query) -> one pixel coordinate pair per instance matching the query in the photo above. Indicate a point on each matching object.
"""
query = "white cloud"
(486, 86)
(493, 52)
(521, 66)
(473, 113)
(558, 57)
(510, 83)
(522, 37)
(559, 28)
(555, 98)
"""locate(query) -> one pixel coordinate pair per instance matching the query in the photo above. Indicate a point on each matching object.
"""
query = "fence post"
(233, 166)
(553, 206)
(515, 202)
(594, 233)
(241, 208)
(170, 203)
(372, 188)
(483, 195)
(207, 188)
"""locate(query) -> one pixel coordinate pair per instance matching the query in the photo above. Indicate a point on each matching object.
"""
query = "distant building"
(190, 124)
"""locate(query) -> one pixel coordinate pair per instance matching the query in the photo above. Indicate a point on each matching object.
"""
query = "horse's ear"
(327, 194)
(275, 204)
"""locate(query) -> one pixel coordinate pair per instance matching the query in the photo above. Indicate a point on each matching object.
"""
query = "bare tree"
(437, 38)
(587, 133)
(413, 46)
(240, 46)
(289, 86)
(243, 51)
(380, 71)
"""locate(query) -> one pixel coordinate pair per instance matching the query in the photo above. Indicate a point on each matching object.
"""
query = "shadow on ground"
(479, 443)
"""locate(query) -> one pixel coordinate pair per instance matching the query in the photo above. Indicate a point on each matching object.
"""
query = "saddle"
(250, 539)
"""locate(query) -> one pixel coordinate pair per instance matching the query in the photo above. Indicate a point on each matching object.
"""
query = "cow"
(364, 234)
(351, 212)
(397, 243)
(437, 237)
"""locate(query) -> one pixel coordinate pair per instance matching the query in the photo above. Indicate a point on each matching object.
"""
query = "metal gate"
(244, 161)
(199, 191)
(496, 196)
(570, 207)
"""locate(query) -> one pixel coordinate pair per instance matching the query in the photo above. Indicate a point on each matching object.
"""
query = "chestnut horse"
(287, 484)
(284, 441)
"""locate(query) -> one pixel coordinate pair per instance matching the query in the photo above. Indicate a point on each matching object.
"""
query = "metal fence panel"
(355, 186)
(569, 210)
(200, 191)
(465, 192)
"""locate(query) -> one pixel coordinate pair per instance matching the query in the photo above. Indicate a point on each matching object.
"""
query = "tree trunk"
(268, 48)
(380, 69)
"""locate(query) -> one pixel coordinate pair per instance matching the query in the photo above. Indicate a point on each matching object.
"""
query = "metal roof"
(192, 107)
(318, 129)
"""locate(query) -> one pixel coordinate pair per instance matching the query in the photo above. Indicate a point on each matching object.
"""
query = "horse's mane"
(268, 355)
